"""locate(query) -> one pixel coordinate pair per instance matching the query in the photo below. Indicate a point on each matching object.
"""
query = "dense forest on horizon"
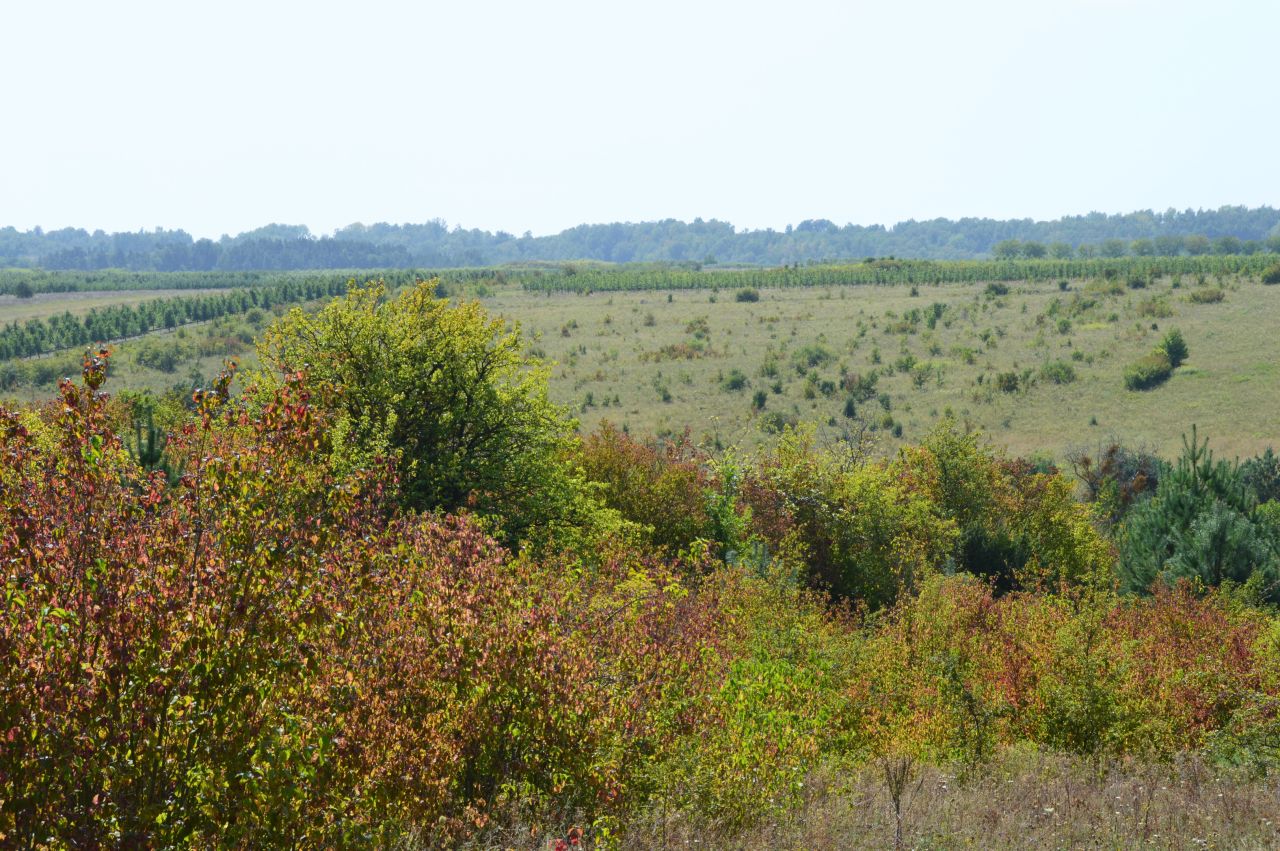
(1227, 230)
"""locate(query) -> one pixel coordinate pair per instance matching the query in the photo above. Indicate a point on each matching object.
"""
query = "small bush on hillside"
(1007, 382)
(734, 381)
(1174, 348)
(810, 357)
(996, 289)
(1206, 296)
(860, 387)
(776, 422)
(1156, 308)
(1151, 371)
(1059, 372)
(1272, 274)
(160, 354)
(747, 295)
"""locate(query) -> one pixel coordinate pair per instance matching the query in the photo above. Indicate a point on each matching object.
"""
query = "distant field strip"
(571, 277)
(48, 304)
(118, 320)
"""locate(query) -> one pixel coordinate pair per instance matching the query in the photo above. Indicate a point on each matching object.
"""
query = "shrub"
(996, 289)
(165, 355)
(776, 422)
(1272, 274)
(747, 295)
(1115, 477)
(1007, 382)
(736, 380)
(1206, 296)
(1174, 348)
(812, 356)
(270, 656)
(1150, 371)
(868, 535)
(661, 486)
(1058, 372)
(1156, 307)
(859, 386)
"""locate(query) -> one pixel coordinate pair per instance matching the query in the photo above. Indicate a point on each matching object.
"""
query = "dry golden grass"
(1024, 801)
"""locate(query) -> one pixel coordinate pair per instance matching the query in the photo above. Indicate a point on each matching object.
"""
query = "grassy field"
(44, 305)
(1038, 366)
(1021, 801)
(657, 362)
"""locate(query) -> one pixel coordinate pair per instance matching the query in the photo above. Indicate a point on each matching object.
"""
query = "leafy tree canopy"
(441, 389)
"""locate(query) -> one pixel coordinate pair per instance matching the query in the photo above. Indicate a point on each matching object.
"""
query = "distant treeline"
(1228, 230)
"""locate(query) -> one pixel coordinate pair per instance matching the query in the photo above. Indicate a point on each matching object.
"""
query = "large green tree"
(442, 389)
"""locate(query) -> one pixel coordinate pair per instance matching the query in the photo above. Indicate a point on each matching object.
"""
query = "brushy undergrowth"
(251, 637)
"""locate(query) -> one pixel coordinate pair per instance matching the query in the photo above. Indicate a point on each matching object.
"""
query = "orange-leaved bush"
(269, 654)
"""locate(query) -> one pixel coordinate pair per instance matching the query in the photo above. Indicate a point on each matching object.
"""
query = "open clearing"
(657, 361)
(1038, 368)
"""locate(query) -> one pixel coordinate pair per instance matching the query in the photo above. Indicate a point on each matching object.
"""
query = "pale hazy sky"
(219, 117)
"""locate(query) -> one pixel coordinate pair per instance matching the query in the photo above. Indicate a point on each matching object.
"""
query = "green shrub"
(160, 354)
(995, 289)
(810, 357)
(1174, 348)
(1156, 308)
(1007, 382)
(1272, 274)
(736, 380)
(1150, 371)
(1059, 372)
(747, 295)
(1206, 296)
(860, 387)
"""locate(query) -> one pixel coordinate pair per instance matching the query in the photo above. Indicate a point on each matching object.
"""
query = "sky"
(221, 117)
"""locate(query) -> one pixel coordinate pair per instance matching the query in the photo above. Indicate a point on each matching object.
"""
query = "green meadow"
(1039, 368)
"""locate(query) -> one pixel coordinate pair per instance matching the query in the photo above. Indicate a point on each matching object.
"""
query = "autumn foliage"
(272, 649)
